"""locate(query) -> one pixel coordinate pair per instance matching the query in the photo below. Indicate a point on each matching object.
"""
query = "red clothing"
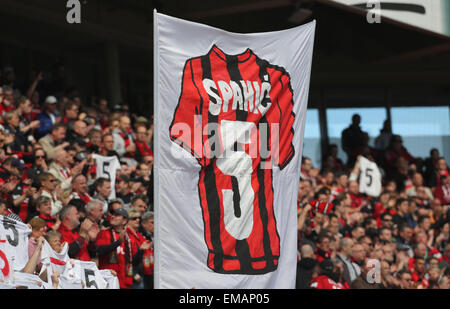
(324, 282)
(115, 260)
(442, 193)
(84, 197)
(357, 200)
(136, 239)
(72, 236)
(143, 149)
(424, 281)
(4, 109)
(49, 221)
(378, 210)
(148, 262)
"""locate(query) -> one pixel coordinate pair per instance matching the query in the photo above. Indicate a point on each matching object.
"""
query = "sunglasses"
(135, 218)
(40, 157)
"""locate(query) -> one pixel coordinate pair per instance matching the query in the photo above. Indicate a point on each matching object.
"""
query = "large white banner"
(229, 121)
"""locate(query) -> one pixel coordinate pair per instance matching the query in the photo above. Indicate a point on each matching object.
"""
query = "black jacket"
(305, 269)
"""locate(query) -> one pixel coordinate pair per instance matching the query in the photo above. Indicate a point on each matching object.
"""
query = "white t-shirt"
(369, 177)
(106, 168)
(14, 242)
(89, 274)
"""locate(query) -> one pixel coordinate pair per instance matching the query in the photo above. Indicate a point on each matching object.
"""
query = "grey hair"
(92, 204)
(147, 216)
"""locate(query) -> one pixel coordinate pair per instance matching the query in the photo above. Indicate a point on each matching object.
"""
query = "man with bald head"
(80, 188)
(345, 250)
(305, 267)
(123, 138)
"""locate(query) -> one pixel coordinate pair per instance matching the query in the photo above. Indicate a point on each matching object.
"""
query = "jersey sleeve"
(186, 126)
(286, 130)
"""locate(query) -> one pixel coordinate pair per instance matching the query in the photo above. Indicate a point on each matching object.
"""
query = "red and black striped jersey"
(235, 116)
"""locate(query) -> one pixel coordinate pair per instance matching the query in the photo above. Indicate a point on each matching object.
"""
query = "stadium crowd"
(51, 140)
(397, 239)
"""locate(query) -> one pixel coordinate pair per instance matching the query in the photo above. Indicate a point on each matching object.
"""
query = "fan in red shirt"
(114, 248)
(80, 244)
(419, 273)
(139, 245)
(358, 199)
(142, 143)
(323, 250)
(442, 192)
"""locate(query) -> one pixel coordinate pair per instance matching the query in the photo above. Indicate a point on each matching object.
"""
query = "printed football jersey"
(235, 116)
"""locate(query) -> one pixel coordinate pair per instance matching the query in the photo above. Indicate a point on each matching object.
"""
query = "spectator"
(440, 169)
(80, 243)
(383, 139)
(44, 212)
(323, 250)
(38, 228)
(419, 273)
(305, 267)
(48, 184)
(142, 143)
(48, 117)
(358, 256)
(350, 271)
(107, 146)
(123, 141)
(12, 127)
(140, 202)
(394, 151)
(114, 248)
(79, 133)
(352, 138)
(112, 207)
(365, 281)
(402, 210)
(94, 211)
(54, 140)
(308, 171)
(442, 191)
(70, 113)
(102, 191)
(80, 188)
(39, 166)
(123, 191)
(327, 278)
(138, 247)
(417, 182)
(406, 281)
(60, 168)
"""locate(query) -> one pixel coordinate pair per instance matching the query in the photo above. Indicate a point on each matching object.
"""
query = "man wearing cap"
(10, 180)
(48, 117)
(114, 249)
